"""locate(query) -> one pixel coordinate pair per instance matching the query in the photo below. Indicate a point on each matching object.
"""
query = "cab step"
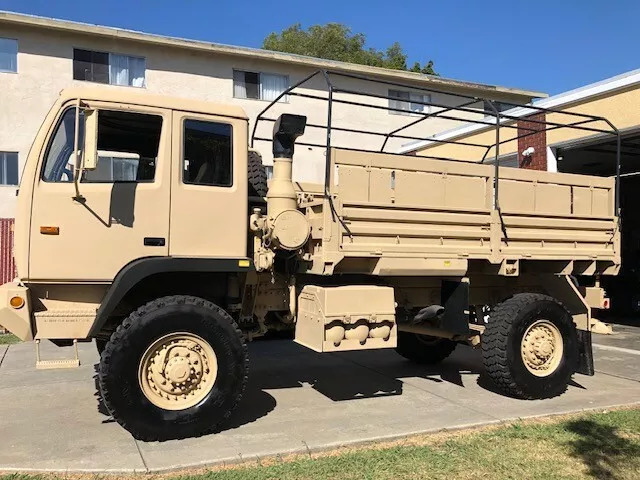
(58, 363)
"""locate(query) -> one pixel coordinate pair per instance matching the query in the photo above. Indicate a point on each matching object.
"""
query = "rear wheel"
(175, 368)
(424, 348)
(530, 346)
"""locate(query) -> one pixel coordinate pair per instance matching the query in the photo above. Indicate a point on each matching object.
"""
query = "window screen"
(408, 101)
(8, 168)
(260, 86)
(8, 55)
(207, 153)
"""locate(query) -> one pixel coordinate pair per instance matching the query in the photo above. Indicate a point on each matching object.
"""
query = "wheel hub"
(542, 348)
(178, 371)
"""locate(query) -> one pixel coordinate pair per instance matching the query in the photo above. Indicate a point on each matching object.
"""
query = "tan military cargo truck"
(145, 223)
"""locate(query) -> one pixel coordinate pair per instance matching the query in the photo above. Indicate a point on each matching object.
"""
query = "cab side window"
(207, 153)
(128, 145)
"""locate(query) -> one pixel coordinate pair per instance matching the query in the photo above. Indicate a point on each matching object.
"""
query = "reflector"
(16, 302)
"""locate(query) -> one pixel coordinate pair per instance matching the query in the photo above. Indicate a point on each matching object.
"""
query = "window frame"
(426, 97)
(284, 99)
(50, 136)
(2, 70)
(182, 152)
(138, 57)
(58, 123)
(3, 166)
(109, 54)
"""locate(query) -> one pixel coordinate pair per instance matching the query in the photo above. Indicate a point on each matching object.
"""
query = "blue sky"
(550, 46)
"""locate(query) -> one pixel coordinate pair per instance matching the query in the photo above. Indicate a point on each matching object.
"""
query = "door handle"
(154, 241)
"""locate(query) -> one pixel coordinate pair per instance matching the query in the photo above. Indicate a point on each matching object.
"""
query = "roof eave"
(131, 35)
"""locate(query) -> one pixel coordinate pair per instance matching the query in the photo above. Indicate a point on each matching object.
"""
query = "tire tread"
(119, 339)
(495, 341)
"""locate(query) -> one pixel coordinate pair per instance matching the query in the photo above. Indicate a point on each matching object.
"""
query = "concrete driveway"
(297, 401)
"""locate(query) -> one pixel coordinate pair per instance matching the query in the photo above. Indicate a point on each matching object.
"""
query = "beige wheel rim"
(542, 348)
(177, 371)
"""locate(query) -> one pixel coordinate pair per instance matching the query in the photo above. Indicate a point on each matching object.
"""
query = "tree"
(335, 41)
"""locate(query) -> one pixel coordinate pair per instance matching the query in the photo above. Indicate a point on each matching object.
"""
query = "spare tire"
(257, 175)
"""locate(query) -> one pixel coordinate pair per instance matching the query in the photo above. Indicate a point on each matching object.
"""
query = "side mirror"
(90, 157)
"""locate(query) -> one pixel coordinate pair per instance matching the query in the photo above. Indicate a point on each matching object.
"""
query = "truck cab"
(168, 179)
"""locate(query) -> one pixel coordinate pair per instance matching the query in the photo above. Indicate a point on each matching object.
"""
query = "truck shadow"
(340, 377)
(255, 404)
(349, 376)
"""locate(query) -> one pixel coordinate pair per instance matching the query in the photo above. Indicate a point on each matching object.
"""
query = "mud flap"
(585, 360)
(455, 300)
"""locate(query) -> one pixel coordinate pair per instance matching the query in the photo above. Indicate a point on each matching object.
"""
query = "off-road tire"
(101, 343)
(257, 175)
(423, 349)
(501, 346)
(120, 360)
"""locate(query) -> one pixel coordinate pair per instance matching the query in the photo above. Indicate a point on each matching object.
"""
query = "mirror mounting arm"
(77, 169)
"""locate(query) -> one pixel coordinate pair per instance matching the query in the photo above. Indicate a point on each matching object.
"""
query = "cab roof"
(140, 97)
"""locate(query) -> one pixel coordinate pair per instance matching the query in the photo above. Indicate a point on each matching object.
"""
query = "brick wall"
(7, 265)
(537, 161)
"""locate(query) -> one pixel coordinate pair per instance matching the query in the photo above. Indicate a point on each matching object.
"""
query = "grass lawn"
(604, 445)
(8, 339)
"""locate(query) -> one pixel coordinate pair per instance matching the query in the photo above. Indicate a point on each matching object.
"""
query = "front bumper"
(16, 320)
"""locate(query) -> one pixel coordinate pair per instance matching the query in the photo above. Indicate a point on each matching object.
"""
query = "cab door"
(209, 186)
(122, 213)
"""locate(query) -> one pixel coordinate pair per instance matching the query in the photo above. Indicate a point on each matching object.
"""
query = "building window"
(8, 168)
(260, 86)
(8, 55)
(207, 153)
(102, 67)
(408, 101)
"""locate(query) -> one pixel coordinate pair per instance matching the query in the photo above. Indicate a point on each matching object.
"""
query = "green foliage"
(8, 339)
(335, 41)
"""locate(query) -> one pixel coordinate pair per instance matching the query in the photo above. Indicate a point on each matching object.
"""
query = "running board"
(62, 363)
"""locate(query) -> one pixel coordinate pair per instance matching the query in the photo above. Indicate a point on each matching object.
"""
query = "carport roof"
(603, 87)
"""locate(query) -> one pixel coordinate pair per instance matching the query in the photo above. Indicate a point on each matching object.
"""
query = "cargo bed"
(441, 217)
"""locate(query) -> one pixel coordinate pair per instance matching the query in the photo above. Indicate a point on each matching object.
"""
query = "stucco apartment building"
(41, 56)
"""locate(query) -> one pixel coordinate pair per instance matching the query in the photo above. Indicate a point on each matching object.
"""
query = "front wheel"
(530, 346)
(175, 368)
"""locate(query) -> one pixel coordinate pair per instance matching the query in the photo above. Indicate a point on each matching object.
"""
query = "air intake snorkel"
(281, 195)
